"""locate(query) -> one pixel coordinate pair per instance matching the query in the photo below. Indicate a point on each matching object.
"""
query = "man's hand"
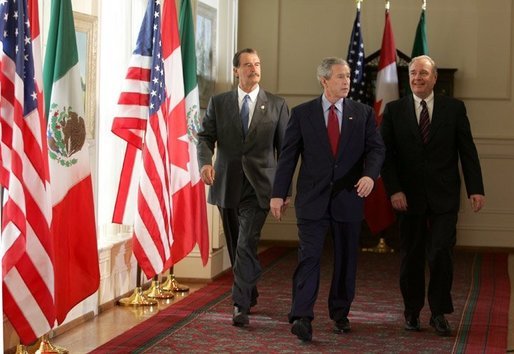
(207, 174)
(477, 202)
(364, 186)
(399, 201)
(278, 207)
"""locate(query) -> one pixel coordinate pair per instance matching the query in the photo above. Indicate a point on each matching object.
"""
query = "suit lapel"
(412, 121)
(233, 111)
(437, 116)
(349, 118)
(260, 111)
(317, 119)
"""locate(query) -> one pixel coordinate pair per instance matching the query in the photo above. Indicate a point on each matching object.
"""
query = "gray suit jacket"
(255, 157)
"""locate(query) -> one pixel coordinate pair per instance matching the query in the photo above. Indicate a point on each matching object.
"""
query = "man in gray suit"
(246, 126)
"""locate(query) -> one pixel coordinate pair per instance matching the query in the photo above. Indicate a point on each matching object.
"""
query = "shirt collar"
(253, 94)
(326, 103)
(428, 100)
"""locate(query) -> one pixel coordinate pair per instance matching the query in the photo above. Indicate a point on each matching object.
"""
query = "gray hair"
(325, 67)
(427, 58)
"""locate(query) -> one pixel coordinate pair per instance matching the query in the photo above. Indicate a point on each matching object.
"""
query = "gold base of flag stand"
(21, 349)
(171, 284)
(157, 292)
(381, 247)
(45, 347)
(137, 299)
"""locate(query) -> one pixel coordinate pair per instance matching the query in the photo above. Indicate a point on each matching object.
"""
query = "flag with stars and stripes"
(143, 121)
(26, 244)
(355, 58)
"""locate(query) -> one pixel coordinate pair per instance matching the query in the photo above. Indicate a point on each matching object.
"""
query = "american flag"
(142, 121)
(355, 59)
(27, 266)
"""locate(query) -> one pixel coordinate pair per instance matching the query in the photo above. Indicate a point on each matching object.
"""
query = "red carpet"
(201, 322)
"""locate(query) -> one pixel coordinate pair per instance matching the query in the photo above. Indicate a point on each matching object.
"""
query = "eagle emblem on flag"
(66, 135)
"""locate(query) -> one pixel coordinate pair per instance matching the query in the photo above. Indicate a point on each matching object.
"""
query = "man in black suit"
(341, 155)
(246, 126)
(425, 135)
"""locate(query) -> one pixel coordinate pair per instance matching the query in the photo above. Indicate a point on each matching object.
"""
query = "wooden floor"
(108, 324)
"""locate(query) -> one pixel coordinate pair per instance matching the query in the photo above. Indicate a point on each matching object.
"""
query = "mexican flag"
(189, 203)
(420, 46)
(73, 226)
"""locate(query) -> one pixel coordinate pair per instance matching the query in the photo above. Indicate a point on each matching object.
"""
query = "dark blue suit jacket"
(361, 153)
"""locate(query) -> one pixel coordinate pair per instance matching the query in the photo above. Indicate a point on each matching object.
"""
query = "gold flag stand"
(381, 247)
(171, 284)
(157, 292)
(137, 299)
(45, 347)
(21, 349)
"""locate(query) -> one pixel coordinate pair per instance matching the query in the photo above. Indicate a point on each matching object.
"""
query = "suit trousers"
(306, 278)
(242, 227)
(428, 238)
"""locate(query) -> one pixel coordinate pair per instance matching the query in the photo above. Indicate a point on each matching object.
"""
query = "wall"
(474, 36)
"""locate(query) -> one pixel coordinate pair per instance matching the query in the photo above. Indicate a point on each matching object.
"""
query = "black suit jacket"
(361, 153)
(255, 156)
(429, 174)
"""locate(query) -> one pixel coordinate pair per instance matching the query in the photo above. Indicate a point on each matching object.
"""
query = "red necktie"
(333, 129)
(424, 122)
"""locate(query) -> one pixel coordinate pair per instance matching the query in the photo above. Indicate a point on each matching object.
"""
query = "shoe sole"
(412, 329)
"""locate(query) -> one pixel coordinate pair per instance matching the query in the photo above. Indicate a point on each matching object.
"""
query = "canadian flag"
(378, 211)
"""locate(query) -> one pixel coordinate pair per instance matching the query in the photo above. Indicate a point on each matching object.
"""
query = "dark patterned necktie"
(333, 129)
(245, 115)
(424, 122)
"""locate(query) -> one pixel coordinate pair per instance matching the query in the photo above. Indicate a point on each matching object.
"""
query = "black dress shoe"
(342, 325)
(240, 317)
(302, 328)
(412, 323)
(441, 325)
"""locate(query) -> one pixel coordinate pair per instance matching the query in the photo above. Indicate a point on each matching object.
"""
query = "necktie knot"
(245, 114)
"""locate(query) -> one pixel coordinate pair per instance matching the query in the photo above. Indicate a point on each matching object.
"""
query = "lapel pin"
(350, 118)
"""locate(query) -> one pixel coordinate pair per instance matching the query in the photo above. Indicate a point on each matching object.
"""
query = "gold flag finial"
(358, 3)
(424, 5)
(388, 5)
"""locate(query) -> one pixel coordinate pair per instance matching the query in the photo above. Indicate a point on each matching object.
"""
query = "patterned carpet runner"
(201, 322)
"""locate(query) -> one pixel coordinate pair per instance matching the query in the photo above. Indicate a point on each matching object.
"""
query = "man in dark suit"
(341, 156)
(246, 126)
(425, 135)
